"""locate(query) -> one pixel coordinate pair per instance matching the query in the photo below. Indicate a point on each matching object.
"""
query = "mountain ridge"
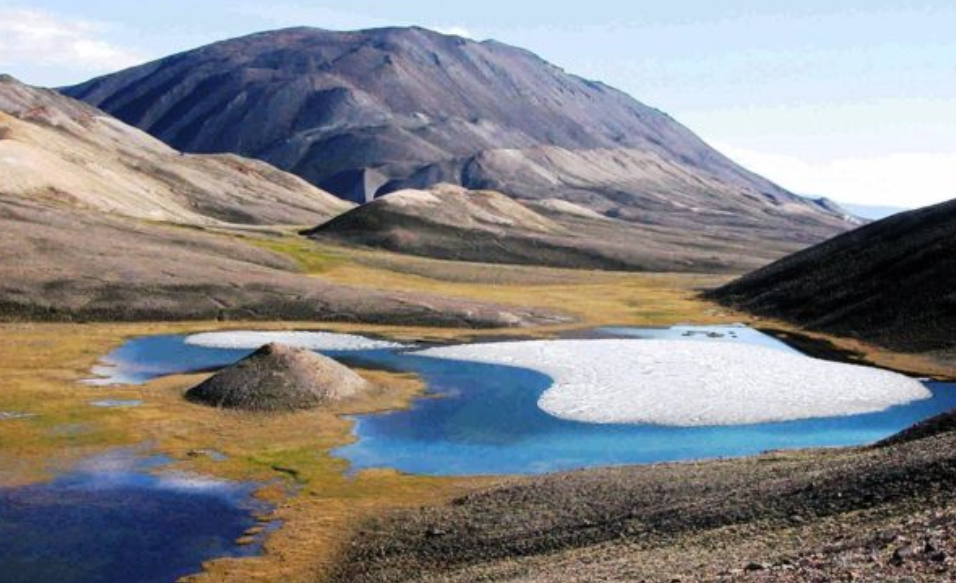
(427, 102)
(363, 114)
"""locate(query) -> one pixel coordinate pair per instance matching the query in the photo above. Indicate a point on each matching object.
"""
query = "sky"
(854, 100)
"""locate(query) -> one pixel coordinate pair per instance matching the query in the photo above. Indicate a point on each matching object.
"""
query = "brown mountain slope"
(892, 283)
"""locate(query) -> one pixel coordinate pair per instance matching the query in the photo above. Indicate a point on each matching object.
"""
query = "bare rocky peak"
(411, 104)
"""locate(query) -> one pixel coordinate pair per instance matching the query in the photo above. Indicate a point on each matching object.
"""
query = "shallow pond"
(485, 419)
(120, 517)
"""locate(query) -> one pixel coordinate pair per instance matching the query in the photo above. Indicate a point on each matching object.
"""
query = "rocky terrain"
(278, 378)
(367, 113)
(98, 221)
(868, 514)
(890, 283)
(451, 222)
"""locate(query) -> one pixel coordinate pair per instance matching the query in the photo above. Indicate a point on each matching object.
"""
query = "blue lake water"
(118, 518)
(484, 419)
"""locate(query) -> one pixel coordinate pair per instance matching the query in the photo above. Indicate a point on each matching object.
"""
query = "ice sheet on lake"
(311, 340)
(687, 383)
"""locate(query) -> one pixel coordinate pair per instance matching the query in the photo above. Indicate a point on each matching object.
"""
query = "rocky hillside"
(91, 226)
(366, 113)
(450, 222)
(892, 283)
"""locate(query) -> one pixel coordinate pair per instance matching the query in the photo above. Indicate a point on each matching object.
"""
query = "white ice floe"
(310, 340)
(686, 383)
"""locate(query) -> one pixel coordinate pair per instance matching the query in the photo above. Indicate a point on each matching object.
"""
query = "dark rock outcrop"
(938, 425)
(278, 378)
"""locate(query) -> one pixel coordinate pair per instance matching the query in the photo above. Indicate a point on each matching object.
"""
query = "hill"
(891, 283)
(450, 222)
(279, 378)
(99, 221)
(52, 146)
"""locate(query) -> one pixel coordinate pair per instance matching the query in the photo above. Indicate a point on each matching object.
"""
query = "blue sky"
(855, 100)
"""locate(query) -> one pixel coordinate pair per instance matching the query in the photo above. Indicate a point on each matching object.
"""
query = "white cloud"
(455, 30)
(38, 38)
(904, 180)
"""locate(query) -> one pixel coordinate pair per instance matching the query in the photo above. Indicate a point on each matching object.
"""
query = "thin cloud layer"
(35, 37)
(905, 179)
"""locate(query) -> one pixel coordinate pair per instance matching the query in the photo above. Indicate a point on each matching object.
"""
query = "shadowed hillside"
(892, 283)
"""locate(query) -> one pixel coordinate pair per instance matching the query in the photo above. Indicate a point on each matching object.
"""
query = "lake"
(480, 419)
(122, 517)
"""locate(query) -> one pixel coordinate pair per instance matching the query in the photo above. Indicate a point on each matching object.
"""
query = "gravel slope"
(886, 513)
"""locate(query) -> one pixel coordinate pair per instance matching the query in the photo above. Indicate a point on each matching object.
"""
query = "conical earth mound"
(279, 378)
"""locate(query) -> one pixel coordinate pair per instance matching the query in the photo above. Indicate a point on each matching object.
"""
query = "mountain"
(99, 221)
(891, 283)
(872, 212)
(366, 113)
(451, 222)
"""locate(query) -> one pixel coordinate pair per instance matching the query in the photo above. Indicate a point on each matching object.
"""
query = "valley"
(395, 305)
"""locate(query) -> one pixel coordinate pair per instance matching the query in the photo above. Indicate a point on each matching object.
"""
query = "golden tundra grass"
(41, 365)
